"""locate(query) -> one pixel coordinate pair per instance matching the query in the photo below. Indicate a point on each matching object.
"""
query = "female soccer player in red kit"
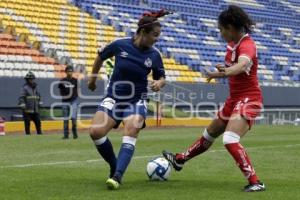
(244, 102)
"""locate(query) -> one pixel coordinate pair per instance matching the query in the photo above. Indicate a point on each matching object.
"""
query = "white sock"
(230, 137)
(100, 141)
(129, 140)
(207, 136)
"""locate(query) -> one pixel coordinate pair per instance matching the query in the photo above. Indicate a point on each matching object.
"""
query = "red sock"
(242, 159)
(200, 146)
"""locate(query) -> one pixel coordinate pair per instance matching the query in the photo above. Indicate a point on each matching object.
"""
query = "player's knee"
(216, 128)
(230, 137)
(210, 130)
(131, 130)
(97, 132)
(213, 132)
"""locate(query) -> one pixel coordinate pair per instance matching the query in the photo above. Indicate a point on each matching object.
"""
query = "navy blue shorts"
(120, 110)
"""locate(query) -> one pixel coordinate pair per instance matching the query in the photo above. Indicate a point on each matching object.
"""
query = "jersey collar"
(236, 45)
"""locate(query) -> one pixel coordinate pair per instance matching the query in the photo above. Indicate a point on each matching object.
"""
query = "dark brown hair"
(150, 19)
(236, 17)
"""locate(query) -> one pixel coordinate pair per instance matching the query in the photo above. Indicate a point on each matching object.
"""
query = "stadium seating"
(190, 36)
(74, 36)
(71, 33)
(17, 59)
(64, 32)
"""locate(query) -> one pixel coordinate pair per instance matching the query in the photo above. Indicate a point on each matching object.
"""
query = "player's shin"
(105, 149)
(125, 154)
(199, 146)
(231, 141)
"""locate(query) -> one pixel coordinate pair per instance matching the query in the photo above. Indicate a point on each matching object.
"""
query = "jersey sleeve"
(108, 51)
(158, 69)
(247, 50)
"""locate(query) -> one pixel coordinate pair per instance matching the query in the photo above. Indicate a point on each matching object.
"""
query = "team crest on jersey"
(148, 62)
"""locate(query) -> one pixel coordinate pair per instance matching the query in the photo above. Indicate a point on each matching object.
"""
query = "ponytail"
(150, 19)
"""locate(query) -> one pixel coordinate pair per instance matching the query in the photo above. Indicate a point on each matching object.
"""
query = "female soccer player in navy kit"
(126, 95)
(244, 102)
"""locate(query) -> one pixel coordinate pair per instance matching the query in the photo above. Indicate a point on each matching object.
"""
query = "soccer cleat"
(112, 183)
(177, 164)
(257, 187)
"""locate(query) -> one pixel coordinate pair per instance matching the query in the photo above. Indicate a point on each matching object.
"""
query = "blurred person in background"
(30, 102)
(68, 88)
(109, 65)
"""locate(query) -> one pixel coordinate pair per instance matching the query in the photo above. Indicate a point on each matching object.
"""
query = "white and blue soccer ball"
(158, 169)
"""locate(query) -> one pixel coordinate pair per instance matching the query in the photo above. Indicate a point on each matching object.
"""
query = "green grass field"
(46, 167)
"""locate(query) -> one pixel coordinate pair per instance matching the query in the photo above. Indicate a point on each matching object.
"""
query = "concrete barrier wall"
(173, 92)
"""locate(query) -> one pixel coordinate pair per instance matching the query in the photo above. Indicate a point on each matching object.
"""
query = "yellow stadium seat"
(183, 73)
(189, 73)
(190, 79)
(90, 62)
(175, 66)
(198, 74)
(167, 66)
(47, 15)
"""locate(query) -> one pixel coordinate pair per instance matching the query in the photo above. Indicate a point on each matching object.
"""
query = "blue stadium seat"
(196, 29)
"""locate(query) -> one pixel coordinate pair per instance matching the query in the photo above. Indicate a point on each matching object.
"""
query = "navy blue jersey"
(128, 81)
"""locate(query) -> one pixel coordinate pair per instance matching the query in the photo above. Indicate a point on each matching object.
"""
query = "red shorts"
(247, 107)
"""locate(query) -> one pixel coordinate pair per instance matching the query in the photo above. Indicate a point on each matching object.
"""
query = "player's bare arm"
(222, 71)
(92, 79)
(213, 74)
(240, 67)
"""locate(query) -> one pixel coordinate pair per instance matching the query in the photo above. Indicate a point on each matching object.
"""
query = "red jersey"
(244, 84)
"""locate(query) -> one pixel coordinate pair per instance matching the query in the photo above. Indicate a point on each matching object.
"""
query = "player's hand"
(92, 85)
(220, 67)
(209, 74)
(155, 85)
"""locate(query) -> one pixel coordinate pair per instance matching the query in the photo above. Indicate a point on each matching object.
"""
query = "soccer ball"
(158, 169)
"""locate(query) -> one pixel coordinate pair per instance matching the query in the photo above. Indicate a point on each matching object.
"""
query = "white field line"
(66, 162)
(135, 158)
